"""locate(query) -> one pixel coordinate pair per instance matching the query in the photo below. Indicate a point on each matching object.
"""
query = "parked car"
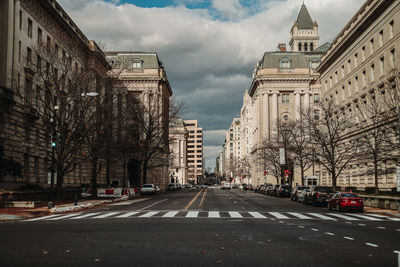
(268, 190)
(250, 187)
(274, 190)
(296, 189)
(226, 185)
(346, 201)
(150, 189)
(302, 195)
(319, 195)
(283, 191)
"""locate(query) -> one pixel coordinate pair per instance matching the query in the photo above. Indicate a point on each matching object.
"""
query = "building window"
(382, 65)
(355, 60)
(199, 136)
(311, 47)
(372, 46)
(28, 56)
(372, 76)
(392, 58)
(363, 53)
(285, 98)
(299, 45)
(19, 51)
(305, 47)
(342, 71)
(316, 114)
(39, 35)
(38, 63)
(316, 98)
(20, 20)
(48, 43)
(391, 31)
(137, 63)
(29, 28)
(381, 38)
(285, 63)
(349, 66)
(56, 50)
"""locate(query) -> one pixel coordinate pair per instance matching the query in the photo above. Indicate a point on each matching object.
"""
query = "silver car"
(302, 195)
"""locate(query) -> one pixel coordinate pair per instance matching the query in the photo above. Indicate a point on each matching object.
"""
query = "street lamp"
(54, 139)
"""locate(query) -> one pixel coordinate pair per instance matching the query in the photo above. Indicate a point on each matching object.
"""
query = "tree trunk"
(302, 174)
(144, 172)
(376, 175)
(60, 177)
(94, 178)
(333, 176)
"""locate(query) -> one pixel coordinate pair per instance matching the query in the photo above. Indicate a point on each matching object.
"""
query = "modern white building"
(178, 137)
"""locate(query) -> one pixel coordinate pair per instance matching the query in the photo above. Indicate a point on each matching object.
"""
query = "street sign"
(398, 180)
(282, 156)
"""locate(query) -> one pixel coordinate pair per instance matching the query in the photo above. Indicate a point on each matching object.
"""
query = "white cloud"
(208, 60)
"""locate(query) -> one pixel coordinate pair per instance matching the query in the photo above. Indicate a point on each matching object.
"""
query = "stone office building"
(25, 27)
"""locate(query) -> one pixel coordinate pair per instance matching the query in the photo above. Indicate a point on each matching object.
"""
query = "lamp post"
(54, 139)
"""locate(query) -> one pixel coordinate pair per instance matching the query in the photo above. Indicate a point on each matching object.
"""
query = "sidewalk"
(382, 211)
(12, 214)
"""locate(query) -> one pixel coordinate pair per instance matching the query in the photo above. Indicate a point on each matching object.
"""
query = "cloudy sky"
(208, 47)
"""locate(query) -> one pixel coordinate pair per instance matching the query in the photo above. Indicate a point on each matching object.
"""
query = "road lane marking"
(149, 214)
(235, 214)
(361, 224)
(298, 215)
(129, 202)
(152, 204)
(278, 215)
(64, 217)
(300, 226)
(213, 214)
(369, 218)
(322, 216)
(193, 200)
(126, 215)
(329, 233)
(43, 218)
(170, 214)
(348, 238)
(385, 217)
(372, 245)
(381, 227)
(105, 215)
(85, 215)
(192, 214)
(202, 198)
(315, 230)
(257, 215)
(344, 217)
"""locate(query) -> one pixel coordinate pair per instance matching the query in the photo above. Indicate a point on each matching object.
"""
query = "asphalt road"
(210, 227)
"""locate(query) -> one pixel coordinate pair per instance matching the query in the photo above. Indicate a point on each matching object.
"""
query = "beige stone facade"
(25, 24)
(143, 77)
(363, 56)
(178, 138)
(194, 151)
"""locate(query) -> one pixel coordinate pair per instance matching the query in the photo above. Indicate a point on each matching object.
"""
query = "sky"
(208, 47)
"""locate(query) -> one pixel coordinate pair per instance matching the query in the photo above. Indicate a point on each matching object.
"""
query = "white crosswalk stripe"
(213, 214)
(322, 216)
(105, 215)
(278, 215)
(300, 216)
(85, 215)
(218, 214)
(126, 215)
(235, 214)
(149, 214)
(348, 218)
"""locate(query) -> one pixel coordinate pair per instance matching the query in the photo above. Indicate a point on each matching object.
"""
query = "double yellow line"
(195, 197)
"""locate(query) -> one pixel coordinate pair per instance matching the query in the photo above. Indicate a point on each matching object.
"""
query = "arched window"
(284, 63)
(299, 46)
(311, 47)
(305, 47)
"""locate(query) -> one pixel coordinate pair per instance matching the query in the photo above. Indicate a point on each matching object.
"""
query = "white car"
(150, 189)
(226, 186)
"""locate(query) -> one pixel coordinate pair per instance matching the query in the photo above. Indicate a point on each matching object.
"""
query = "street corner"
(12, 217)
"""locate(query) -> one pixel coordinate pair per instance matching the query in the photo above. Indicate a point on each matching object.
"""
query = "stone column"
(306, 100)
(266, 116)
(274, 121)
(297, 105)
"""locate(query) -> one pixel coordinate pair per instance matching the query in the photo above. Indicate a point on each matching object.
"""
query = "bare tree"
(269, 156)
(55, 90)
(335, 148)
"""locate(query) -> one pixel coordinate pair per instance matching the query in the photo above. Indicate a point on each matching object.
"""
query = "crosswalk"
(216, 214)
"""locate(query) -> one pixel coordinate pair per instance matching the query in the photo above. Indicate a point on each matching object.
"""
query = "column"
(275, 107)
(306, 100)
(266, 116)
(297, 105)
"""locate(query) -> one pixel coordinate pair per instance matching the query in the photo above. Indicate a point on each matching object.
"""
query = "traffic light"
(53, 141)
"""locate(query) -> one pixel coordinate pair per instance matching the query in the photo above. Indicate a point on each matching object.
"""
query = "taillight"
(280, 190)
(317, 194)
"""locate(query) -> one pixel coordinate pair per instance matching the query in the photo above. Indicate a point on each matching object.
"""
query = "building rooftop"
(304, 20)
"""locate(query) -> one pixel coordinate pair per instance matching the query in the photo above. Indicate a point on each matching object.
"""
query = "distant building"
(194, 151)
(178, 136)
(143, 78)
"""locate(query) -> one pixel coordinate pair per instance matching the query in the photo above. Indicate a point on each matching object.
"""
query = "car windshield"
(349, 195)
(147, 185)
